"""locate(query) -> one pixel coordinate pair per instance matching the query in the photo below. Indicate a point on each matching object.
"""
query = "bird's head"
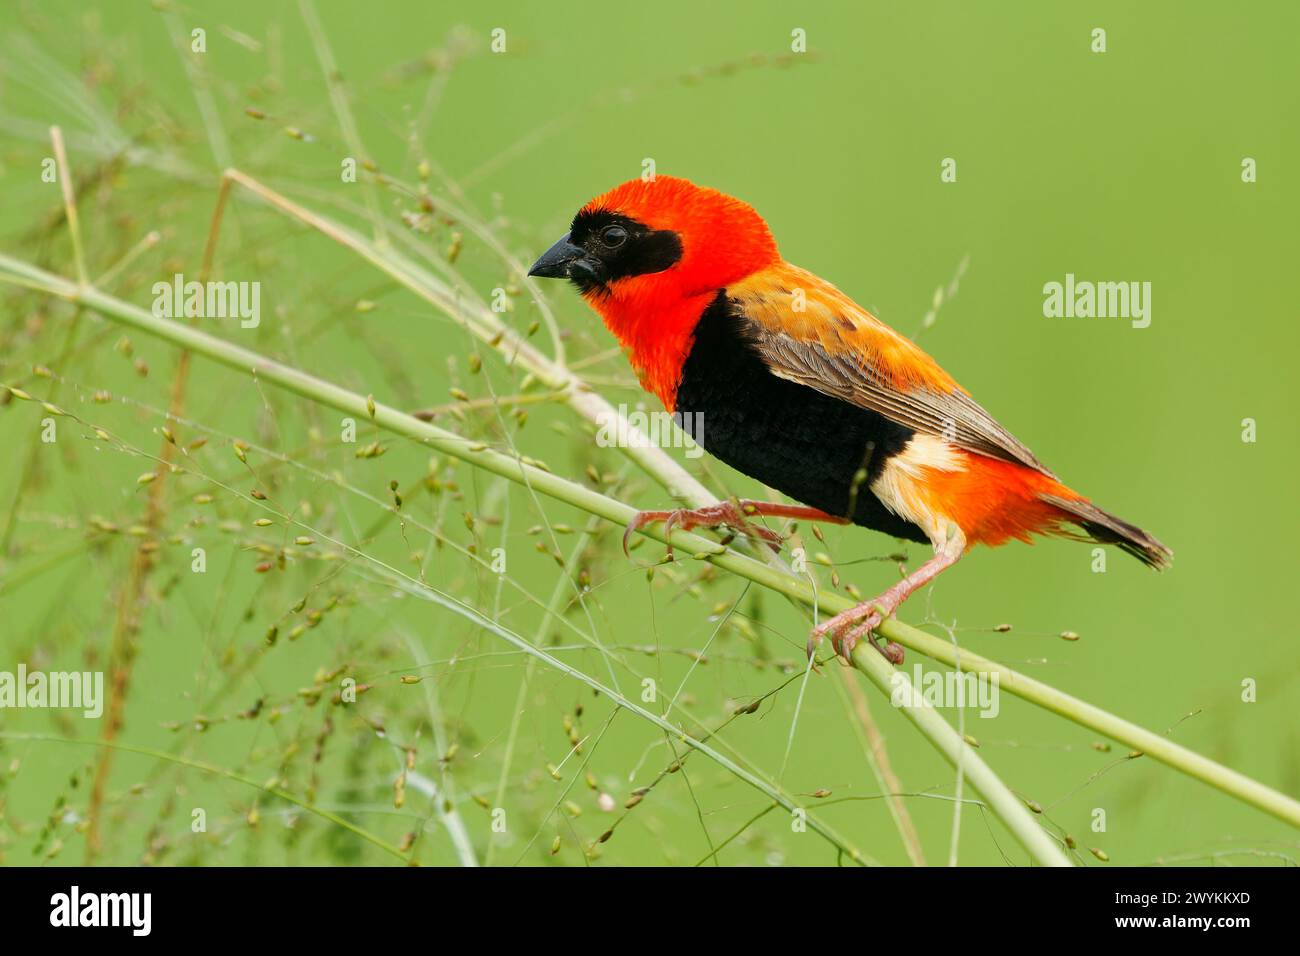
(658, 240)
(649, 256)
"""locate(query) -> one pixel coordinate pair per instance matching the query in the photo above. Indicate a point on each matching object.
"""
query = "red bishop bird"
(798, 386)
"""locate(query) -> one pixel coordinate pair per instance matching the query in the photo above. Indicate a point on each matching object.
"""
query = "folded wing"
(809, 332)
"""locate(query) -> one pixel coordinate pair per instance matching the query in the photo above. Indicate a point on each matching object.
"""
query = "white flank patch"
(899, 483)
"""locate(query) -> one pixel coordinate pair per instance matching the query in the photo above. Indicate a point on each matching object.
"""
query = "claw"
(848, 627)
(845, 643)
(668, 529)
(640, 520)
(710, 516)
(893, 652)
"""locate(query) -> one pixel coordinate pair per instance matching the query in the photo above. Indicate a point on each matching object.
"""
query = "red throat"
(656, 329)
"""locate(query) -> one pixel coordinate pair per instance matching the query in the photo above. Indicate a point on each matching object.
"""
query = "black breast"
(802, 443)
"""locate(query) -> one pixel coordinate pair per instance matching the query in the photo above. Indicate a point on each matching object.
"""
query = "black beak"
(554, 263)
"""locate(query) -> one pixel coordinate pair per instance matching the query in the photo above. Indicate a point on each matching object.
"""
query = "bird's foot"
(848, 627)
(733, 514)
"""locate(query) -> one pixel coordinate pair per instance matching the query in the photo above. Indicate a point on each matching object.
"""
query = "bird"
(791, 382)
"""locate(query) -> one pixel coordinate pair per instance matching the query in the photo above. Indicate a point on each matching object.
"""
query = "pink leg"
(734, 514)
(848, 626)
(774, 509)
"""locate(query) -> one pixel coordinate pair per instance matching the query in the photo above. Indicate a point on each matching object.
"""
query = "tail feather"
(1107, 529)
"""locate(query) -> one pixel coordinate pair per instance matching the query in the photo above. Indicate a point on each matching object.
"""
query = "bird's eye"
(613, 236)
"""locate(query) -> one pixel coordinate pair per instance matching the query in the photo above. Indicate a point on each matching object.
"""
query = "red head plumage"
(723, 239)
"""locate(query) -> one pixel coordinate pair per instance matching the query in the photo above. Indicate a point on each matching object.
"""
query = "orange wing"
(808, 331)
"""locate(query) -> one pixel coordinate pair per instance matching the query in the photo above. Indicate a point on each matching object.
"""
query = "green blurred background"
(1116, 166)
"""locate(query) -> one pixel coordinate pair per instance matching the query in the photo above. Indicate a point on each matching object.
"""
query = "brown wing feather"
(808, 331)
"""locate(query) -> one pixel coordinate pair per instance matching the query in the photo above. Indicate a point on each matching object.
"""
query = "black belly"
(802, 443)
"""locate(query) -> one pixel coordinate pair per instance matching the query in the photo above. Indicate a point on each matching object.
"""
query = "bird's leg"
(734, 513)
(774, 509)
(847, 627)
